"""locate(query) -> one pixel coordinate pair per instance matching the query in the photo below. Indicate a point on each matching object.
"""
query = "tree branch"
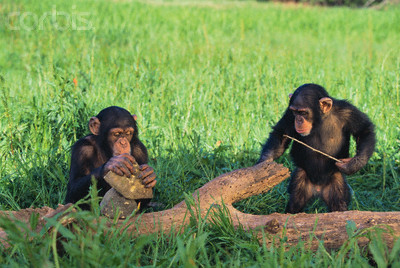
(238, 185)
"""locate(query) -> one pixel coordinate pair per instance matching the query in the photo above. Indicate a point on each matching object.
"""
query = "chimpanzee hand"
(121, 165)
(147, 175)
(265, 158)
(351, 165)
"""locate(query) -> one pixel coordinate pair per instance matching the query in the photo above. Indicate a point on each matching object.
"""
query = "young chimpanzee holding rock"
(114, 145)
(326, 124)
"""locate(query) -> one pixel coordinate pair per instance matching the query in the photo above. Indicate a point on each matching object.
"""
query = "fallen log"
(225, 190)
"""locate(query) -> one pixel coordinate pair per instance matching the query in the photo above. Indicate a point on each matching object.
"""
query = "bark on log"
(243, 183)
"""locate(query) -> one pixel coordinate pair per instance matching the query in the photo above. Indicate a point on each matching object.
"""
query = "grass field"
(207, 81)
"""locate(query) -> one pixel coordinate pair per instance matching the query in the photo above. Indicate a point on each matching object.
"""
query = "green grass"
(195, 73)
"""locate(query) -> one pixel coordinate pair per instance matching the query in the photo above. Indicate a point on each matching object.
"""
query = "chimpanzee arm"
(363, 132)
(276, 143)
(83, 167)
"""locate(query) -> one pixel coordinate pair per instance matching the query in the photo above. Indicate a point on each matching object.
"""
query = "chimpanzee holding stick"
(326, 124)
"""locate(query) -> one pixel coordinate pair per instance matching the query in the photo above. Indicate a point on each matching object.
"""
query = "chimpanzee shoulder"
(350, 114)
(139, 152)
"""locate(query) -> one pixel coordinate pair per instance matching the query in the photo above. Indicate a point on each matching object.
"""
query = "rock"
(121, 197)
(131, 188)
(113, 202)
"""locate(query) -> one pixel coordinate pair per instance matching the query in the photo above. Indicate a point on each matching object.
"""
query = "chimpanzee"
(113, 145)
(325, 124)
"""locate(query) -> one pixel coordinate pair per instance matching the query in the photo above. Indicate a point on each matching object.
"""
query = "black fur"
(317, 175)
(89, 154)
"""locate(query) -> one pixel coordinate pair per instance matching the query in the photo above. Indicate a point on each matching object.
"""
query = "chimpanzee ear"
(134, 117)
(94, 125)
(325, 104)
(290, 95)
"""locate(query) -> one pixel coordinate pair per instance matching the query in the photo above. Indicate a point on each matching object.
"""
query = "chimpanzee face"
(302, 120)
(305, 107)
(116, 128)
(303, 116)
(119, 140)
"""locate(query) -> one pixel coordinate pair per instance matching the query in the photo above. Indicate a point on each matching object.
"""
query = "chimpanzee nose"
(299, 119)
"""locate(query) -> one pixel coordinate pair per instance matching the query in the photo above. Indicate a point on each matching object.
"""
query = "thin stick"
(315, 150)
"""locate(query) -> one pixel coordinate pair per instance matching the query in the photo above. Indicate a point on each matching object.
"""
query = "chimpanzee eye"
(117, 134)
(128, 133)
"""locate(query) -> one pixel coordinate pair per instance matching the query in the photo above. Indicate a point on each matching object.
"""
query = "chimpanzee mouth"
(302, 132)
